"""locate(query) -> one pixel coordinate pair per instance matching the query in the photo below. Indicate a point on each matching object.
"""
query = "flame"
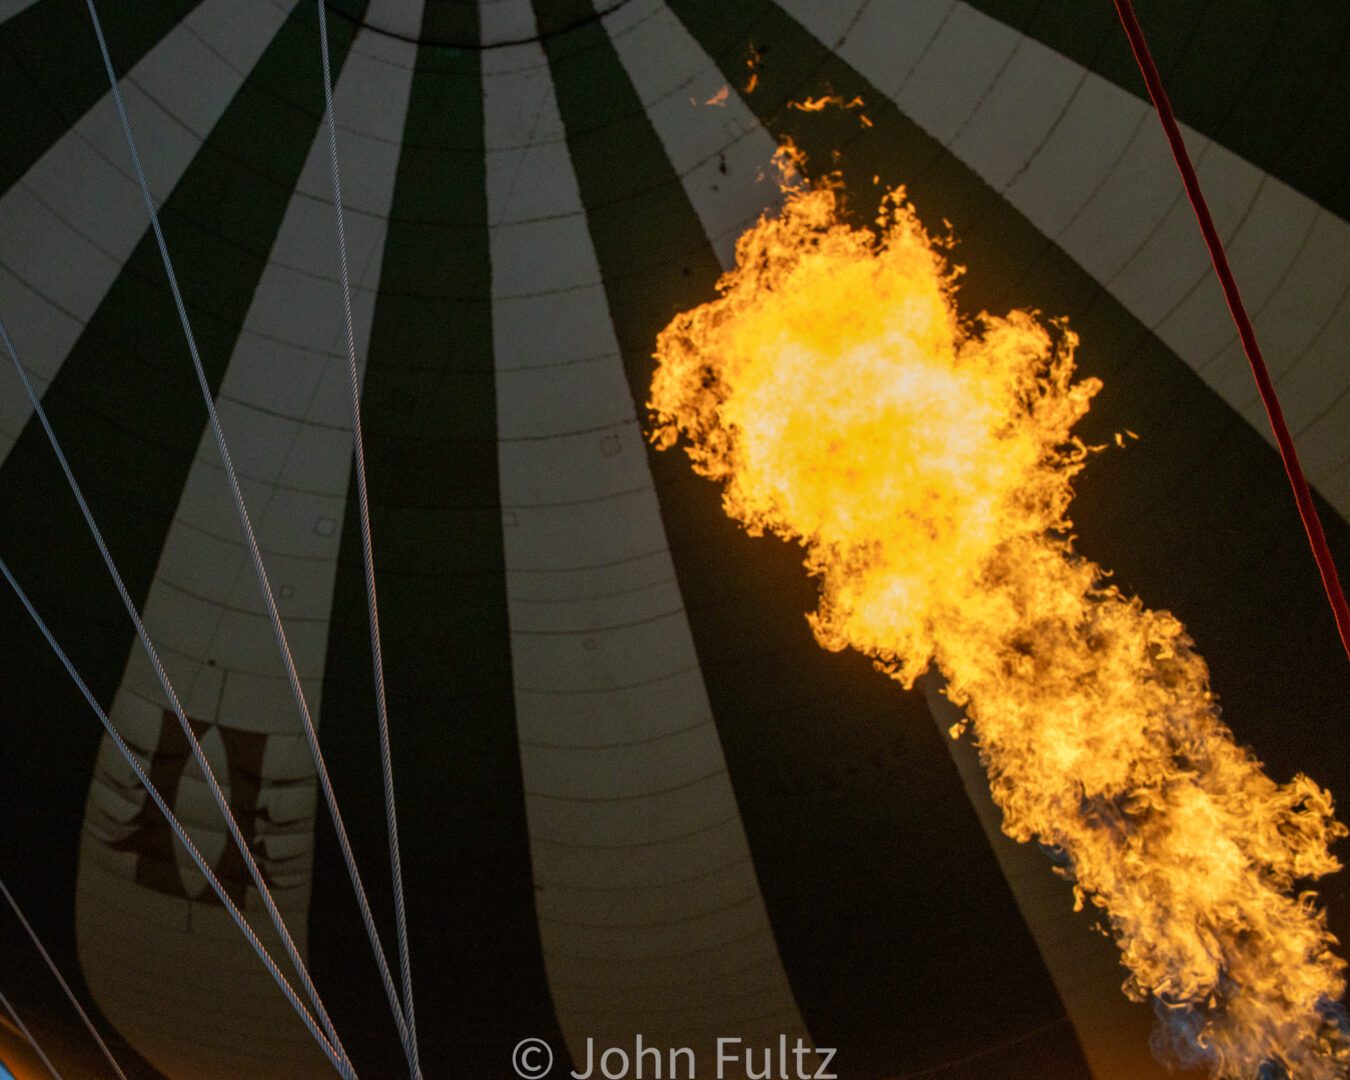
(819, 104)
(925, 464)
(825, 101)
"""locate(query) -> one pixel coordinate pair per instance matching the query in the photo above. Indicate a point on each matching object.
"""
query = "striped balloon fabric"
(634, 796)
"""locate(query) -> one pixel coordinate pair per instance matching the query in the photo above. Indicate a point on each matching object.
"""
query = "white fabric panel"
(1087, 163)
(284, 408)
(954, 73)
(505, 20)
(70, 223)
(720, 151)
(650, 913)
(394, 18)
(10, 8)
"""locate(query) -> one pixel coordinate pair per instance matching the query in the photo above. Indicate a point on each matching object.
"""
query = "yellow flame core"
(925, 464)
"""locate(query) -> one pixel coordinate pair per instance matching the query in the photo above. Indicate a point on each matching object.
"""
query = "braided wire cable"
(332, 1050)
(56, 971)
(251, 541)
(255, 872)
(368, 562)
(23, 1030)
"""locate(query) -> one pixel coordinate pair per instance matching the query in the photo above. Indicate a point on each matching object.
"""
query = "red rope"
(1307, 509)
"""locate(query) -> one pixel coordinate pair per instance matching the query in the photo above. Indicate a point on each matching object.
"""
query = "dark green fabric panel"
(1270, 81)
(450, 22)
(429, 409)
(558, 16)
(51, 72)
(1197, 516)
(128, 410)
(873, 867)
